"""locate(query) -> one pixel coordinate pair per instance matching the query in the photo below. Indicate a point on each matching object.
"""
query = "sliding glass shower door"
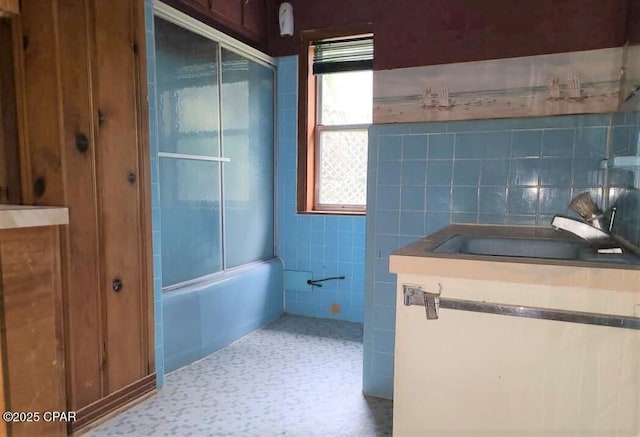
(247, 140)
(216, 159)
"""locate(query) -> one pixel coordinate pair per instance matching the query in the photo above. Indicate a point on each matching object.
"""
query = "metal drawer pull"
(415, 295)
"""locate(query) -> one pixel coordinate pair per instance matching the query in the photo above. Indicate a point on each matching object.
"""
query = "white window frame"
(319, 128)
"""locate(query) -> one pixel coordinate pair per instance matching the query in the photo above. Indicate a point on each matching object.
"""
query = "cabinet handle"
(117, 285)
(131, 177)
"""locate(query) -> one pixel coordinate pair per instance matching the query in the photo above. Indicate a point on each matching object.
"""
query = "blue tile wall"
(155, 193)
(624, 187)
(322, 245)
(425, 176)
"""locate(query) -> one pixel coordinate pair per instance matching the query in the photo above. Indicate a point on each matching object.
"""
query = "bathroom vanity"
(31, 325)
(543, 341)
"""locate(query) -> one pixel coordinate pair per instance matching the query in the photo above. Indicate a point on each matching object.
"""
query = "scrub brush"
(584, 205)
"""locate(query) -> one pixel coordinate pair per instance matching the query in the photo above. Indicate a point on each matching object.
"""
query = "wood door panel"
(117, 144)
(82, 303)
(32, 328)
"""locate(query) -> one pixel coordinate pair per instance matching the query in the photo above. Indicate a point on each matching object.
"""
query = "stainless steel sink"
(557, 249)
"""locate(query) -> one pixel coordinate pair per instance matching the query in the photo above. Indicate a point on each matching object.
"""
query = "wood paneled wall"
(84, 137)
(9, 7)
(10, 191)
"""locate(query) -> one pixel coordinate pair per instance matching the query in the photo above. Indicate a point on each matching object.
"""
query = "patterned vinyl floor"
(298, 376)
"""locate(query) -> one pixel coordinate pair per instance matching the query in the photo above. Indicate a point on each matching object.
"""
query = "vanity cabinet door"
(481, 373)
(32, 334)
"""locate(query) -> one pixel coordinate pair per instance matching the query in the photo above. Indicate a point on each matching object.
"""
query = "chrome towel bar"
(414, 295)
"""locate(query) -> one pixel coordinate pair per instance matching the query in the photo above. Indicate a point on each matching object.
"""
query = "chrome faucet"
(592, 227)
(603, 241)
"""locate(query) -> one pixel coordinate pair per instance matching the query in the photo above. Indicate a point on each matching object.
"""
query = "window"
(342, 118)
(216, 166)
(335, 103)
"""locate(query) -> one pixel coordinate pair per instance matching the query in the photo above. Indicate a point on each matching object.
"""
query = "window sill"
(333, 212)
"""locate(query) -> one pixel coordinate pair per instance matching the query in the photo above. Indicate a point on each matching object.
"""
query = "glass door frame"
(224, 41)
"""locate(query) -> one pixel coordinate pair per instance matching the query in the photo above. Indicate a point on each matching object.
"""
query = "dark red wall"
(311, 15)
(633, 22)
(426, 32)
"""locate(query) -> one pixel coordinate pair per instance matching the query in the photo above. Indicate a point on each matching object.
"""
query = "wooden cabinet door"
(202, 5)
(228, 10)
(253, 18)
(32, 328)
(125, 291)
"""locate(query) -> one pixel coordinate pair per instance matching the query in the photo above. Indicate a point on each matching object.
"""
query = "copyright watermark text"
(37, 416)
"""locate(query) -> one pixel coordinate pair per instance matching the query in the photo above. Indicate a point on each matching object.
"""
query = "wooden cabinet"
(31, 323)
(9, 7)
(254, 18)
(83, 109)
(202, 4)
(228, 10)
(244, 19)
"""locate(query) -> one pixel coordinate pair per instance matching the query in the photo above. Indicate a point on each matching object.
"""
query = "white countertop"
(25, 216)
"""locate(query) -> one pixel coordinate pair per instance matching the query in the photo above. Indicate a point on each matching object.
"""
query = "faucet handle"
(584, 205)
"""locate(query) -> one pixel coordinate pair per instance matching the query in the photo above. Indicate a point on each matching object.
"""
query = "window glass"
(343, 167)
(344, 110)
(346, 98)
